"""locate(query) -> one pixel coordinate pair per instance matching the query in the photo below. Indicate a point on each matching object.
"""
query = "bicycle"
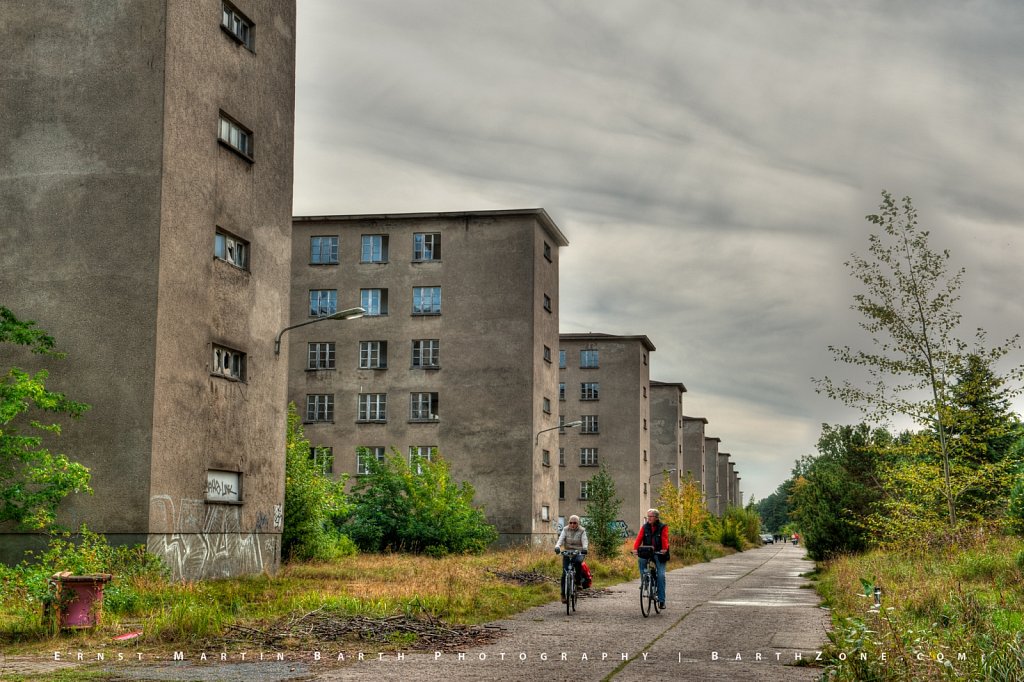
(570, 578)
(648, 582)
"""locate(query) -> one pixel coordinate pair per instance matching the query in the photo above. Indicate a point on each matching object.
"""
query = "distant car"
(767, 539)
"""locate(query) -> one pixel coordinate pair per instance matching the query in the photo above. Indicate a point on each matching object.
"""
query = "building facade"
(711, 495)
(150, 144)
(605, 384)
(667, 440)
(455, 354)
(693, 450)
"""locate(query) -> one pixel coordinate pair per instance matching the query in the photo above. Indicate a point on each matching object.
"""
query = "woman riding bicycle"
(654, 534)
(573, 536)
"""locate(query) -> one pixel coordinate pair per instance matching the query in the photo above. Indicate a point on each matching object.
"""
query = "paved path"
(748, 616)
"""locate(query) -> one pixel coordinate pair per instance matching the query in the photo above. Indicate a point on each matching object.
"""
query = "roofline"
(597, 336)
(539, 213)
(682, 388)
(695, 419)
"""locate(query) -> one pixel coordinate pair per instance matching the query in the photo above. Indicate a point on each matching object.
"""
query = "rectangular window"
(590, 390)
(375, 249)
(561, 424)
(231, 249)
(584, 490)
(545, 457)
(546, 405)
(547, 354)
(373, 407)
(426, 246)
(320, 408)
(423, 407)
(374, 301)
(588, 359)
(426, 353)
(228, 363)
(561, 457)
(323, 250)
(547, 303)
(547, 252)
(373, 354)
(561, 390)
(235, 136)
(323, 459)
(323, 302)
(561, 359)
(237, 25)
(589, 423)
(320, 356)
(426, 300)
(365, 454)
(419, 454)
(588, 457)
(561, 490)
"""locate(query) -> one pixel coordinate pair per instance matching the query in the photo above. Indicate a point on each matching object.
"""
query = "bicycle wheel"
(570, 592)
(645, 592)
(654, 592)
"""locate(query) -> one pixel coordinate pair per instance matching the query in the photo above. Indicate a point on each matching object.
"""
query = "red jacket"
(640, 537)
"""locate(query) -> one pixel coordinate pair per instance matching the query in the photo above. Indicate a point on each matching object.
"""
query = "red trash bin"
(78, 598)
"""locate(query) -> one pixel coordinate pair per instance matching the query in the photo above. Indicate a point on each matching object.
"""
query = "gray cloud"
(711, 164)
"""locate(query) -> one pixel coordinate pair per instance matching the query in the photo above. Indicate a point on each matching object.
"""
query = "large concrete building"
(693, 449)
(712, 498)
(144, 221)
(605, 383)
(455, 352)
(667, 439)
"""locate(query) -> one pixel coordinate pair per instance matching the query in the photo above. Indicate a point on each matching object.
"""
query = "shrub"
(415, 507)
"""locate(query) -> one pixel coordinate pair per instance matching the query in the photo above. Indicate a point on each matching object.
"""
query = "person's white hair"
(574, 518)
(655, 512)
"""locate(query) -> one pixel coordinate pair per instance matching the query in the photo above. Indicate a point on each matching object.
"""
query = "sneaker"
(661, 605)
(563, 600)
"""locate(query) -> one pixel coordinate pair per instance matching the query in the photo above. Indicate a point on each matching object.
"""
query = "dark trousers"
(577, 563)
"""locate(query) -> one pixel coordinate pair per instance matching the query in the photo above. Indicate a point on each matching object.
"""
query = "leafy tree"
(774, 509)
(313, 503)
(746, 522)
(415, 507)
(835, 492)
(33, 481)
(602, 510)
(683, 509)
(910, 309)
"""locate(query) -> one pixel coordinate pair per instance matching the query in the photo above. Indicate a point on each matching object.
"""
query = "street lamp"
(567, 425)
(348, 314)
(663, 472)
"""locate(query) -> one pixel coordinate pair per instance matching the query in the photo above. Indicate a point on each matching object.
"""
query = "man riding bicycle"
(573, 536)
(654, 534)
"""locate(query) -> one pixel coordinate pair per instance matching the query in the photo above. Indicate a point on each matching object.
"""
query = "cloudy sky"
(710, 162)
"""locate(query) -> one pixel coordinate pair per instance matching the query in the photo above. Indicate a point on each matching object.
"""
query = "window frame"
(317, 403)
(591, 424)
(321, 356)
(422, 252)
(426, 354)
(222, 245)
(424, 403)
(373, 354)
(244, 143)
(377, 451)
(323, 458)
(590, 358)
(372, 408)
(228, 363)
(429, 306)
(377, 251)
(332, 300)
(316, 250)
(378, 308)
(590, 390)
(230, 19)
(589, 457)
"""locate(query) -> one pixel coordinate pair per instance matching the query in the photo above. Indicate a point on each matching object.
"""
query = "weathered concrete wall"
(623, 410)
(711, 475)
(492, 329)
(693, 449)
(722, 484)
(666, 432)
(81, 128)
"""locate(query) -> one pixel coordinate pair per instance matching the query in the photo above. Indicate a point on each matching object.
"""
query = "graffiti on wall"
(207, 540)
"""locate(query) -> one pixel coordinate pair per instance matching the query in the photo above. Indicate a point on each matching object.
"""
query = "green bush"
(415, 507)
(313, 503)
(730, 536)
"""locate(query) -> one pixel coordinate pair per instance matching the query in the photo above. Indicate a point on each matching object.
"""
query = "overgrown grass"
(952, 612)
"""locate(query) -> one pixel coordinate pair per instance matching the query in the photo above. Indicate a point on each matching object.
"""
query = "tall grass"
(947, 612)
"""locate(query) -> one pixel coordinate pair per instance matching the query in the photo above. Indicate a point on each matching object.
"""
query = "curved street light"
(567, 425)
(347, 314)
